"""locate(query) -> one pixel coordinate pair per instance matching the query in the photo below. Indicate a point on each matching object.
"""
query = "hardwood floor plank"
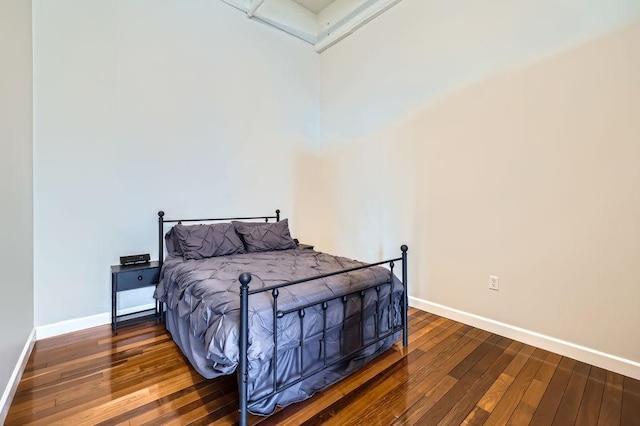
(589, 410)
(451, 373)
(630, 402)
(611, 408)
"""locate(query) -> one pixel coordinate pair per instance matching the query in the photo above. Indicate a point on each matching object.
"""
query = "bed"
(240, 296)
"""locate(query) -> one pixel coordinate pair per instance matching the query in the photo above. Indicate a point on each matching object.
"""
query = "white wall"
(493, 137)
(16, 193)
(146, 105)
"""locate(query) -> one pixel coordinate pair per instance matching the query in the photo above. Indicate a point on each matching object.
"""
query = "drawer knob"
(139, 277)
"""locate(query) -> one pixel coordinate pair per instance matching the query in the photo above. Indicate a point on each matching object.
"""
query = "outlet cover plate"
(494, 282)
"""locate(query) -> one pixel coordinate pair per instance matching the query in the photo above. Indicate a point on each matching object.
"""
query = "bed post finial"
(160, 213)
(244, 278)
(277, 215)
(404, 248)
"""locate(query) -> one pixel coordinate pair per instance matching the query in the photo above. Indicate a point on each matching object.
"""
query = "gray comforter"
(202, 298)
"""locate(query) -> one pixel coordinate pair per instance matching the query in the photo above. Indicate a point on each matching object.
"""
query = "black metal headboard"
(162, 221)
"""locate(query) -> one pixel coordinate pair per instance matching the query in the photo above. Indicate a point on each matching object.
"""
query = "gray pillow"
(265, 236)
(173, 247)
(202, 241)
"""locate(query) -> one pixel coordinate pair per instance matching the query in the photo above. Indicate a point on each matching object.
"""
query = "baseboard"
(69, 326)
(16, 375)
(581, 353)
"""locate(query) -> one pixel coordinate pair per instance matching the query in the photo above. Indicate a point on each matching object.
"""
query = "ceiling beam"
(343, 17)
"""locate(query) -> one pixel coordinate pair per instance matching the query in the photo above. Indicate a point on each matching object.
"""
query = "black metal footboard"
(380, 335)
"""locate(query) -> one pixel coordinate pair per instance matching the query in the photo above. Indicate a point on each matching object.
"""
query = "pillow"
(202, 241)
(265, 236)
(171, 241)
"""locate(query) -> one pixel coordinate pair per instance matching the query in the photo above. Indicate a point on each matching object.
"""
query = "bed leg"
(244, 341)
(405, 308)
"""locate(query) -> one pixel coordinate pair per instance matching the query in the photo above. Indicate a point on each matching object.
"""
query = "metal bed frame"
(245, 278)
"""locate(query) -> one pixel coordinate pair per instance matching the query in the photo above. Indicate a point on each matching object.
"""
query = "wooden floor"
(450, 374)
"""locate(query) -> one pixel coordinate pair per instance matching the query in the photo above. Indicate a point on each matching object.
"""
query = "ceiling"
(315, 6)
(322, 23)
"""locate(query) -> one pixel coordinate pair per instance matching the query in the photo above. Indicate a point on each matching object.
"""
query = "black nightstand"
(305, 246)
(131, 277)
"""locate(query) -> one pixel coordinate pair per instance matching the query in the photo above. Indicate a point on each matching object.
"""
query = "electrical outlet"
(494, 282)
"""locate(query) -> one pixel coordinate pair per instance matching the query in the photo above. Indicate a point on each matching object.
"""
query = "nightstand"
(305, 246)
(131, 277)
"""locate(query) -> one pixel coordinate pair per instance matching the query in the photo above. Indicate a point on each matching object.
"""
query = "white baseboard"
(69, 326)
(16, 375)
(581, 353)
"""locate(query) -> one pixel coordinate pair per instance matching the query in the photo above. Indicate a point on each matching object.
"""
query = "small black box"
(135, 258)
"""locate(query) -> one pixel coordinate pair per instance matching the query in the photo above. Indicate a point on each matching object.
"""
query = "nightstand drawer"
(130, 280)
